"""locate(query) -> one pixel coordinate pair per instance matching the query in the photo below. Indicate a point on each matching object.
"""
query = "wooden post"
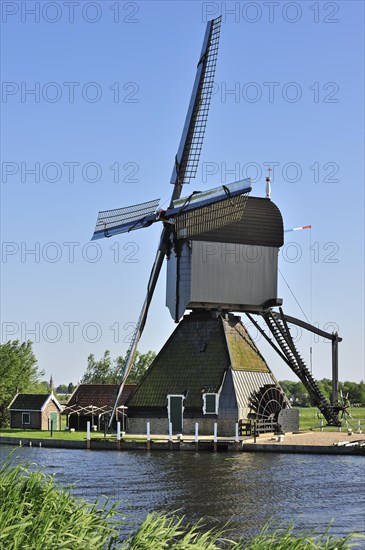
(236, 436)
(148, 436)
(88, 434)
(334, 396)
(215, 437)
(118, 435)
(196, 436)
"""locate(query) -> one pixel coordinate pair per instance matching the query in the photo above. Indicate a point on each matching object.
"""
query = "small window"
(210, 403)
(25, 418)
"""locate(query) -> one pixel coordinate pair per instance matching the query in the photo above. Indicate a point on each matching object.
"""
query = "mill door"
(175, 412)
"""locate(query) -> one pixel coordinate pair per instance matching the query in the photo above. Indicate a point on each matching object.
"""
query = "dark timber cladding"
(261, 225)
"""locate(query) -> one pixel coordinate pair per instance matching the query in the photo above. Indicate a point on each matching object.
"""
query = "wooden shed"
(35, 411)
(94, 403)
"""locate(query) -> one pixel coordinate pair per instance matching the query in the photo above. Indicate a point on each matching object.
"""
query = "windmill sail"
(186, 164)
(122, 220)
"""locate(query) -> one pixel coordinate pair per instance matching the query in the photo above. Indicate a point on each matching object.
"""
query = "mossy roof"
(194, 361)
(242, 350)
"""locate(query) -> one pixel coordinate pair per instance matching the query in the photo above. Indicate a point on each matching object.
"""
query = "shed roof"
(100, 396)
(32, 402)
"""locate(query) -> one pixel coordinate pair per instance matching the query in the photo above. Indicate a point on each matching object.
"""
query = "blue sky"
(111, 82)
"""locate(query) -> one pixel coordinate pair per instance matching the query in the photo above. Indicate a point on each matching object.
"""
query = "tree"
(107, 371)
(18, 372)
(355, 391)
(99, 372)
(141, 364)
(62, 388)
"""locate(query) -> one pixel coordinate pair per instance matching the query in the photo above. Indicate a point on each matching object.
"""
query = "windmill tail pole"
(131, 353)
(129, 362)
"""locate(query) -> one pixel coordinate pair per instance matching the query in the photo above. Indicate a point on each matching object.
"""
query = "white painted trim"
(51, 397)
(12, 401)
(28, 413)
(216, 403)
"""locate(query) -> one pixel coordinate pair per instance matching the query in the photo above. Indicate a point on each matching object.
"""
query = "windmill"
(221, 247)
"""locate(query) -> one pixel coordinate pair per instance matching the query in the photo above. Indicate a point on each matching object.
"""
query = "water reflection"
(242, 490)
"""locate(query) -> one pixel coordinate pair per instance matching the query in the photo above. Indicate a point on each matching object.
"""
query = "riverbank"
(303, 442)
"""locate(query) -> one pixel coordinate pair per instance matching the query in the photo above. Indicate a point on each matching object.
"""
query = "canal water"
(241, 490)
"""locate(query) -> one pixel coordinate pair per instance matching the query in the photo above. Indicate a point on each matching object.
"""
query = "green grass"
(310, 418)
(36, 514)
(42, 434)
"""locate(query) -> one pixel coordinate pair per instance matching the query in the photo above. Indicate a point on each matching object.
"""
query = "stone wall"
(160, 426)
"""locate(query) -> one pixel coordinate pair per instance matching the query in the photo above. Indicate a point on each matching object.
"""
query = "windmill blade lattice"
(188, 155)
(210, 217)
(122, 220)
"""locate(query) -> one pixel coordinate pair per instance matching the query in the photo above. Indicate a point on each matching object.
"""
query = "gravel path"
(311, 438)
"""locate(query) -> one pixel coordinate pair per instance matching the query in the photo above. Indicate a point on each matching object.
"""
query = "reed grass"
(36, 514)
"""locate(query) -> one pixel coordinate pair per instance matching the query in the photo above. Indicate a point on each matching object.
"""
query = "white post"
(321, 424)
(236, 440)
(215, 432)
(170, 431)
(118, 431)
(88, 438)
(196, 432)
(148, 431)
